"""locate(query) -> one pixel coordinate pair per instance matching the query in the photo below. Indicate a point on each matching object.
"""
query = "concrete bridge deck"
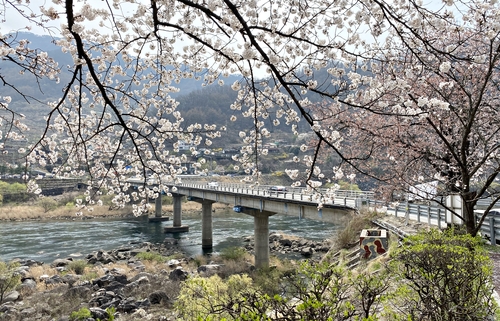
(259, 202)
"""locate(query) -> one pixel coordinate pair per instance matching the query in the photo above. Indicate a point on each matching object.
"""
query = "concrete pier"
(261, 234)
(206, 224)
(158, 211)
(177, 224)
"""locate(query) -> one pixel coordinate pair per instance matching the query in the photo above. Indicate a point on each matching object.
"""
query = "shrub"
(233, 253)
(77, 266)
(80, 315)
(318, 292)
(202, 298)
(90, 276)
(350, 234)
(47, 204)
(444, 276)
(9, 279)
(151, 256)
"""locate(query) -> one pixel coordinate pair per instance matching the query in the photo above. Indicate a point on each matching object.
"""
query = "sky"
(12, 19)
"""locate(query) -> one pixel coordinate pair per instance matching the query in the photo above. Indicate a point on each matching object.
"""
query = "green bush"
(233, 253)
(111, 313)
(89, 276)
(151, 256)
(443, 276)
(319, 292)
(9, 279)
(47, 204)
(15, 192)
(80, 315)
(202, 298)
(77, 266)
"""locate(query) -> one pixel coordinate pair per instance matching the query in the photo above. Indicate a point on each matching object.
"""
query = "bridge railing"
(436, 215)
(433, 214)
(354, 199)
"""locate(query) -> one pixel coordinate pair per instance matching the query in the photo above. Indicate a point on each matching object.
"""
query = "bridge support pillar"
(261, 234)
(158, 213)
(158, 206)
(206, 224)
(177, 225)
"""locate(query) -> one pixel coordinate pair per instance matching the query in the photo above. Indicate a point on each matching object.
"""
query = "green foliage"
(268, 280)
(444, 276)
(278, 173)
(346, 186)
(9, 279)
(77, 266)
(80, 315)
(47, 204)
(233, 253)
(89, 276)
(317, 292)
(151, 256)
(105, 199)
(202, 298)
(15, 192)
(111, 313)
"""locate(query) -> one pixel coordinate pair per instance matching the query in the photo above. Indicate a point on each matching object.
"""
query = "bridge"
(261, 203)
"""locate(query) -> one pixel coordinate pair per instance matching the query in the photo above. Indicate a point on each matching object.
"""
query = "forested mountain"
(40, 91)
(204, 105)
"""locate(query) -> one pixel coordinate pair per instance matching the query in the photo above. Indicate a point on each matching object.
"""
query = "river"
(47, 240)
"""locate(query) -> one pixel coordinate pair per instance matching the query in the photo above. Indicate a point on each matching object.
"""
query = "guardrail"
(354, 199)
(436, 215)
(431, 214)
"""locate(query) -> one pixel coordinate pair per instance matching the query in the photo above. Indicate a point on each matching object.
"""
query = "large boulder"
(178, 274)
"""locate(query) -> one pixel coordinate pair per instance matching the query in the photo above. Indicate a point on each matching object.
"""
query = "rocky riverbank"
(131, 279)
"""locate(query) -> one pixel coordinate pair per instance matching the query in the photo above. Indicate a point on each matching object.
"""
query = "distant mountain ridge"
(45, 90)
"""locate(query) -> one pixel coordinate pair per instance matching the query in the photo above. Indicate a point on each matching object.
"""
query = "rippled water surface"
(48, 240)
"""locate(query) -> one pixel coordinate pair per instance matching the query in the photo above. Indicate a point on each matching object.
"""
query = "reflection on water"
(48, 240)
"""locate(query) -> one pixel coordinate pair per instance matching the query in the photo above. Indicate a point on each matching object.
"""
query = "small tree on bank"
(9, 278)
(444, 276)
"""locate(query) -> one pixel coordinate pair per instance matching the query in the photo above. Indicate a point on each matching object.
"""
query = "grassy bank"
(34, 210)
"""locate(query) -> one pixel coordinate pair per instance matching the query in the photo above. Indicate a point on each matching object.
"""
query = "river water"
(47, 240)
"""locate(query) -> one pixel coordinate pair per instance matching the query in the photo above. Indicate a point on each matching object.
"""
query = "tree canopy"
(402, 91)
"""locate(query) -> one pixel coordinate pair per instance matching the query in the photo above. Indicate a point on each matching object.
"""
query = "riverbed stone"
(144, 276)
(178, 274)
(208, 269)
(307, 251)
(27, 284)
(60, 262)
(55, 279)
(286, 242)
(98, 313)
(173, 263)
(82, 291)
(158, 297)
(12, 296)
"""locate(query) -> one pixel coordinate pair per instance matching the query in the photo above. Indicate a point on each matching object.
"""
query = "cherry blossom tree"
(430, 111)
(361, 62)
